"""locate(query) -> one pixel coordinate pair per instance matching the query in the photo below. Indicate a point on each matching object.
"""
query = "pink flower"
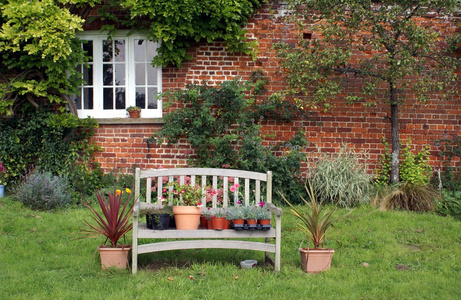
(183, 192)
(234, 187)
(239, 202)
(164, 190)
(261, 204)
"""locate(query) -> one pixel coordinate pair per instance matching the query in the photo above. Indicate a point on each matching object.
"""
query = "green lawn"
(410, 256)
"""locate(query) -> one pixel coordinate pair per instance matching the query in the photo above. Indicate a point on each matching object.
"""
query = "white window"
(118, 75)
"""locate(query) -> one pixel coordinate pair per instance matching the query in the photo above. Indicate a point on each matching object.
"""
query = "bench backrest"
(249, 183)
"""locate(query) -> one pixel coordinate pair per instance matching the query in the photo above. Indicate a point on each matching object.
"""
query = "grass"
(410, 256)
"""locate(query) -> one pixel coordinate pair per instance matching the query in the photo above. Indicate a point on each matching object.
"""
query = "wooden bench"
(206, 238)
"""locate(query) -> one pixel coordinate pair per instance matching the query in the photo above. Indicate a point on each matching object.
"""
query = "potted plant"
(134, 111)
(187, 205)
(251, 215)
(264, 217)
(314, 221)
(236, 214)
(113, 223)
(158, 216)
(218, 219)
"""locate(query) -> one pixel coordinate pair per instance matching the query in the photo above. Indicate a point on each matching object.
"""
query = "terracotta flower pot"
(316, 260)
(114, 257)
(209, 224)
(226, 224)
(203, 224)
(238, 221)
(264, 221)
(187, 217)
(135, 114)
(218, 223)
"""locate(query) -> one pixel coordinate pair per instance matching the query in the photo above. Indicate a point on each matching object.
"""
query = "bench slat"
(202, 244)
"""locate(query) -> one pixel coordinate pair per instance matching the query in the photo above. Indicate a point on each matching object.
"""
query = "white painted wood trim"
(205, 244)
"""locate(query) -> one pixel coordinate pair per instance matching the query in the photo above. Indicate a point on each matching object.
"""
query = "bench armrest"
(274, 209)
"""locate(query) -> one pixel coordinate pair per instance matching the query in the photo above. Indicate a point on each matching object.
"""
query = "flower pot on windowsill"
(135, 114)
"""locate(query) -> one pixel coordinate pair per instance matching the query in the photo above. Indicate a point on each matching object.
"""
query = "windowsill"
(130, 121)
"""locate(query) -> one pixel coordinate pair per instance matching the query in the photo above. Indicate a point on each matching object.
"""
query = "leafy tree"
(383, 43)
(38, 46)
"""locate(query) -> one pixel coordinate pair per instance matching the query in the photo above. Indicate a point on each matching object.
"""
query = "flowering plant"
(186, 194)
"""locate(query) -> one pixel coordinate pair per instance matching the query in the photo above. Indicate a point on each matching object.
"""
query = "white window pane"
(108, 98)
(151, 98)
(140, 74)
(88, 74)
(107, 75)
(119, 50)
(151, 75)
(88, 98)
(141, 97)
(120, 98)
(139, 50)
(120, 74)
(107, 51)
(151, 51)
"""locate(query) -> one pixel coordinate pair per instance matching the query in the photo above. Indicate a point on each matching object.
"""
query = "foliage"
(38, 43)
(378, 44)
(57, 143)
(186, 194)
(43, 191)
(407, 196)
(178, 24)
(312, 218)
(341, 178)
(414, 167)
(450, 152)
(236, 212)
(221, 126)
(449, 204)
(114, 222)
(133, 108)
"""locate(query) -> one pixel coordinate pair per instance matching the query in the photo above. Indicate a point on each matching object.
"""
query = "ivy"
(179, 23)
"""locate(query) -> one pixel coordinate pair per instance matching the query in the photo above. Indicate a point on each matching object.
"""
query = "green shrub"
(449, 204)
(58, 143)
(341, 178)
(223, 126)
(43, 191)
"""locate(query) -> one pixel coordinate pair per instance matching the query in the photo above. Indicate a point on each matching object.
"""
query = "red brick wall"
(361, 128)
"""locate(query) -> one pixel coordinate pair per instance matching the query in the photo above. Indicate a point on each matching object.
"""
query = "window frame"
(130, 77)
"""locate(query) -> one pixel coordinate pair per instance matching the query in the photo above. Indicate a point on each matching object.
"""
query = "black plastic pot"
(158, 221)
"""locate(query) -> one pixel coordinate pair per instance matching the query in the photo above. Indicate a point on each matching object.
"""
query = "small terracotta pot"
(264, 221)
(252, 221)
(226, 224)
(238, 221)
(218, 223)
(135, 114)
(209, 224)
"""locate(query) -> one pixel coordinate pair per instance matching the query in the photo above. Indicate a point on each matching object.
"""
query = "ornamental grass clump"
(341, 178)
(43, 191)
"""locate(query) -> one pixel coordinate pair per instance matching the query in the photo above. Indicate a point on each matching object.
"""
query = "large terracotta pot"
(114, 257)
(316, 260)
(187, 217)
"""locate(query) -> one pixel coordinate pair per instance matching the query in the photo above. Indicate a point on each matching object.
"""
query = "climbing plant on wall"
(178, 23)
